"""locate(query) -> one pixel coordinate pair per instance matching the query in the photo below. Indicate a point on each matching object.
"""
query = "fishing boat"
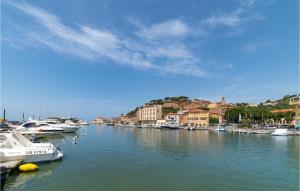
(14, 146)
(280, 132)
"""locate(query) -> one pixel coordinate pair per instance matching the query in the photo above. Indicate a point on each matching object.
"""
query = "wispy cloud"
(234, 18)
(143, 52)
(254, 46)
(163, 47)
(166, 29)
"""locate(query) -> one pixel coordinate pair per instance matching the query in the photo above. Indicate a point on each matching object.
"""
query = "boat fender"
(28, 167)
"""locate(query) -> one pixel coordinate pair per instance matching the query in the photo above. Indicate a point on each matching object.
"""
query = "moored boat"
(14, 146)
(280, 132)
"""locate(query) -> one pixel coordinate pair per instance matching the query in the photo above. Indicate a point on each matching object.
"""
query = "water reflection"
(177, 143)
(180, 143)
(115, 158)
(19, 180)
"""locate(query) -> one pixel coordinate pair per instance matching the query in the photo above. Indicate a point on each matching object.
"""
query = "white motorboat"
(280, 132)
(81, 122)
(66, 128)
(36, 127)
(190, 128)
(14, 146)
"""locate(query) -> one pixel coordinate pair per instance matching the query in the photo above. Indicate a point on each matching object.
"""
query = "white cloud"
(234, 18)
(143, 52)
(167, 29)
(227, 19)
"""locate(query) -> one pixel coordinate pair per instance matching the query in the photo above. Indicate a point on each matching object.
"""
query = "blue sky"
(103, 58)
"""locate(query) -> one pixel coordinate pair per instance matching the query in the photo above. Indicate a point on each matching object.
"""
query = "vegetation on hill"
(132, 113)
(167, 110)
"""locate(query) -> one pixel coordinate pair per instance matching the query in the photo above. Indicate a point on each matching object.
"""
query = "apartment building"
(148, 114)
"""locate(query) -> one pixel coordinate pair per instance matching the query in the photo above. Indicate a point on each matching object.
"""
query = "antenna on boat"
(23, 117)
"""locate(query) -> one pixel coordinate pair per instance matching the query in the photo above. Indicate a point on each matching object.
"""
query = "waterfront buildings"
(295, 101)
(100, 120)
(172, 118)
(149, 114)
(194, 117)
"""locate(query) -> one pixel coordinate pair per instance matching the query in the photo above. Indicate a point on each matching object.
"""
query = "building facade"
(295, 101)
(101, 120)
(149, 114)
(172, 118)
(195, 118)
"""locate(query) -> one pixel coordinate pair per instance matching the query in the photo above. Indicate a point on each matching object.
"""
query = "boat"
(190, 128)
(169, 126)
(38, 129)
(280, 132)
(261, 131)
(142, 126)
(81, 122)
(14, 146)
(67, 128)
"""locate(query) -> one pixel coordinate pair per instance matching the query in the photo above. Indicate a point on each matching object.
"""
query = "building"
(148, 114)
(295, 101)
(270, 103)
(217, 109)
(172, 118)
(160, 122)
(194, 117)
(217, 113)
(101, 120)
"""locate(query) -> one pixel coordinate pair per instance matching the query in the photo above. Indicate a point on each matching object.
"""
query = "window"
(29, 125)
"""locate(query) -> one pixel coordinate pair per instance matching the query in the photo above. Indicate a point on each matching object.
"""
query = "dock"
(6, 167)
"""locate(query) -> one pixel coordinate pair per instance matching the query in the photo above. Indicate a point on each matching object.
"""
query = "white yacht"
(82, 122)
(14, 146)
(36, 127)
(280, 132)
(67, 128)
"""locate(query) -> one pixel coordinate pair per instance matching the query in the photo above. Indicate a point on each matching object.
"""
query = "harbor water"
(115, 158)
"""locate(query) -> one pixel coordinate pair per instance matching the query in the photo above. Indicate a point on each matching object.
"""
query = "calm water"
(112, 158)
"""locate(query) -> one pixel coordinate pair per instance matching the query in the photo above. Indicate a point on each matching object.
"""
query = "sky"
(103, 58)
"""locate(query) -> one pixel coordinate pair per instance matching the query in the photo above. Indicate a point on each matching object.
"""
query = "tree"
(167, 110)
(213, 120)
(133, 112)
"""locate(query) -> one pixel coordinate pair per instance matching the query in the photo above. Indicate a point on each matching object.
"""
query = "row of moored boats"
(17, 142)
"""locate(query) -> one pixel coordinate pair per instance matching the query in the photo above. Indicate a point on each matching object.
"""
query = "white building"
(172, 118)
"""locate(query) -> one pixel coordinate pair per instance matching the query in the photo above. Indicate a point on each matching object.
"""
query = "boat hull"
(32, 158)
(168, 127)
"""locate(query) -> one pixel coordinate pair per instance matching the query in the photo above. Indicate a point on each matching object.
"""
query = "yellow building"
(195, 117)
(150, 113)
(296, 102)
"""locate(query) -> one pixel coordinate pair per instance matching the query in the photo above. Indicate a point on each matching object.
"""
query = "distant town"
(183, 111)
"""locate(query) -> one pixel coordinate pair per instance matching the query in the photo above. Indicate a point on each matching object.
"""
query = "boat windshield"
(31, 124)
(22, 139)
